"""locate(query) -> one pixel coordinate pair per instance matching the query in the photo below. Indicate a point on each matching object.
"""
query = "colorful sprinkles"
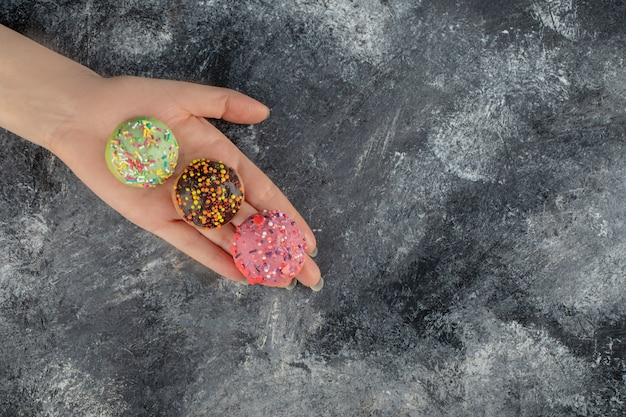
(142, 152)
(269, 248)
(208, 194)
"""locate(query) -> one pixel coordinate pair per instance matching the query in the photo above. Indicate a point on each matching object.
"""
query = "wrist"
(40, 90)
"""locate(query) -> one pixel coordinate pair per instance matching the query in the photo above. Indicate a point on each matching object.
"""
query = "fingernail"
(292, 285)
(318, 287)
(245, 282)
(313, 253)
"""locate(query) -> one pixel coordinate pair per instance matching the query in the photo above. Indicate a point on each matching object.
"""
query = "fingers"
(246, 210)
(263, 194)
(188, 239)
(223, 237)
(220, 103)
(260, 192)
(310, 274)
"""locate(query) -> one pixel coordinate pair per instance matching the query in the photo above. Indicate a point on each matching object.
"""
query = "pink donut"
(268, 248)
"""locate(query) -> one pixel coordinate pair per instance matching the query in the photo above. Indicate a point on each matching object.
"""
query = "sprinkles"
(269, 248)
(208, 194)
(142, 152)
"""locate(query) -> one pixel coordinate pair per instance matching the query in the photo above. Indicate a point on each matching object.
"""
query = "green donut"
(142, 152)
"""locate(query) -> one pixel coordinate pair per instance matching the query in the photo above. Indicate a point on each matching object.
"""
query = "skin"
(76, 110)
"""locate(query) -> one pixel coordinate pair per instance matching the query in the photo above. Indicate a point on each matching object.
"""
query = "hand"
(76, 110)
(80, 139)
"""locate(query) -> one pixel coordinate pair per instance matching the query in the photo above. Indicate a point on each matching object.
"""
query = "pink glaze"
(268, 248)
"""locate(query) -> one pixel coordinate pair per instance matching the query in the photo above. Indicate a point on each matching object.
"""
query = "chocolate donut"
(208, 194)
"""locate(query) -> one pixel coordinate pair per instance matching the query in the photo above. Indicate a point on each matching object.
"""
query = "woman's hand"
(78, 110)
(183, 107)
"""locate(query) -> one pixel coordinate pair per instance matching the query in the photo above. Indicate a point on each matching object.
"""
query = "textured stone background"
(462, 164)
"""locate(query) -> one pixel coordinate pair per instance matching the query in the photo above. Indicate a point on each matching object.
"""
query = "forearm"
(39, 89)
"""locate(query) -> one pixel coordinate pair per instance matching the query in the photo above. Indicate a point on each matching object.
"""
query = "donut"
(207, 194)
(268, 248)
(142, 152)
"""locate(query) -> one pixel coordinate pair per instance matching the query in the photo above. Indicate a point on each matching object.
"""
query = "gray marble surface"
(462, 164)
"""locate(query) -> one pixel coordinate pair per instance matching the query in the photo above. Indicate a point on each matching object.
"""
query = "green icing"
(142, 152)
